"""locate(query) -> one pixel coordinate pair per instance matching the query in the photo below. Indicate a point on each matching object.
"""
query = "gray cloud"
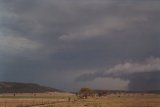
(141, 76)
(144, 81)
(59, 37)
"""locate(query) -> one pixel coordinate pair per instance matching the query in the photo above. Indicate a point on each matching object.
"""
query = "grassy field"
(62, 100)
(32, 99)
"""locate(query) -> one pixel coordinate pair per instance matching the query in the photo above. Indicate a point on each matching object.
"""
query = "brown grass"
(61, 100)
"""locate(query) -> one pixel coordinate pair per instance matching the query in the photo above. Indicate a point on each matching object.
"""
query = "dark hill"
(107, 92)
(14, 87)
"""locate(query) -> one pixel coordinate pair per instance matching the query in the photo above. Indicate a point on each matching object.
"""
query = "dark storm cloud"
(141, 76)
(145, 81)
(55, 37)
(138, 81)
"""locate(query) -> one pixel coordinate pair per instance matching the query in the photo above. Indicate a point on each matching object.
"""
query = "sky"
(69, 44)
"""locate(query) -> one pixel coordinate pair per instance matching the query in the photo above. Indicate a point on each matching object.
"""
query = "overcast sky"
(69, 44)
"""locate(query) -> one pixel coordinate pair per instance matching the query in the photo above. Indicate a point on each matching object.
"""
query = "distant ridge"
(15, 87)
(123, 91)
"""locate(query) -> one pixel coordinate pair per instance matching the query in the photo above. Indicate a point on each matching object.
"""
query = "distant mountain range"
(15, 87)
(105, 92)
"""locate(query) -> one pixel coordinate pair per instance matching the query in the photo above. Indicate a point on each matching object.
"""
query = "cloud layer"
(141, 76)
(52, 42)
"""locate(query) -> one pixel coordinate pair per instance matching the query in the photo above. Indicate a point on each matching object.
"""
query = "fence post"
(5, 104)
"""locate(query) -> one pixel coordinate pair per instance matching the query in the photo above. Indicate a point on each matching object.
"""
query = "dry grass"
(29, 99)
(114, 101)
(61, 100)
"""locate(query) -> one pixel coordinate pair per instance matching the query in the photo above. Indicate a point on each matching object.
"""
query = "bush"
(85, 92)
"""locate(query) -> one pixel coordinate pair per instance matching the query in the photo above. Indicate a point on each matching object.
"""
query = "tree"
(85, 92)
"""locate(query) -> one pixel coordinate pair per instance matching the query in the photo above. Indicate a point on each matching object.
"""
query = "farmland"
(56, 99)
